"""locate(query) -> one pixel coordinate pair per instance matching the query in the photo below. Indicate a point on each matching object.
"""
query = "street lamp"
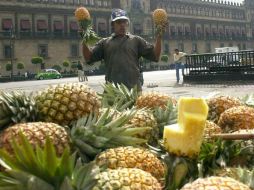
(12, 41)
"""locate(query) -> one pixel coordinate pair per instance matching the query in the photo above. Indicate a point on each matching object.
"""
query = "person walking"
(80, 72)
(178, 60)
(85, 75)
(121, 52)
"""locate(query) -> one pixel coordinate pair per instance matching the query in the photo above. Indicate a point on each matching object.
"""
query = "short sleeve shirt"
(121, 56)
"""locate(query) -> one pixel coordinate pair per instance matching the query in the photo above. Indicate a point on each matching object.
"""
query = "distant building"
(47, 28)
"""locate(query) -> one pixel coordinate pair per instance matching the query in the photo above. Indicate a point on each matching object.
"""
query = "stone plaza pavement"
(169, 86)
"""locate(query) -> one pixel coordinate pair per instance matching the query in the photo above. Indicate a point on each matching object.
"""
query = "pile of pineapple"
(69, 137)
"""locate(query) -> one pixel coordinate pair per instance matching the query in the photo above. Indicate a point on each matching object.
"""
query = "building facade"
(47, 28)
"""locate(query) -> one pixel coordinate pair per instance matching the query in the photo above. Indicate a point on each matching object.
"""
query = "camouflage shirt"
(121, 56)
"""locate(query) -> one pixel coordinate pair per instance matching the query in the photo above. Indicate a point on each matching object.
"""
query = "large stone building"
(47, 28)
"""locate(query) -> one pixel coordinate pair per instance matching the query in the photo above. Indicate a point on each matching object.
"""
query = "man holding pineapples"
(121, 51)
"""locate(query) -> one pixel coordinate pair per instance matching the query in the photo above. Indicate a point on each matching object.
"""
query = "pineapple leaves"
(107, 131)
(118, 96)
(42, 164)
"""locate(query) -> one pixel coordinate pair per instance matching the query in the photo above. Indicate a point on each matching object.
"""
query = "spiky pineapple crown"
(119, 96)
(30, 169)
(16, 107)
(92, 134)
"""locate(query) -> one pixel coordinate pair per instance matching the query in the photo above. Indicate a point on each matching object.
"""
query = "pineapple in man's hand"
(160, 19)
(84, 19)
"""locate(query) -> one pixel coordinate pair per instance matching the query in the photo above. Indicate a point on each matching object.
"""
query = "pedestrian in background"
(178, 60)
(80, 72)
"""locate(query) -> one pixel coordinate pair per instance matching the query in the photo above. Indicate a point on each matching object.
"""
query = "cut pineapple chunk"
(185, 137)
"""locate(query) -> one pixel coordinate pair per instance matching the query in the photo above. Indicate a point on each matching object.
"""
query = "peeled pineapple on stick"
(160, 19)
(185, 137)
(84, 19)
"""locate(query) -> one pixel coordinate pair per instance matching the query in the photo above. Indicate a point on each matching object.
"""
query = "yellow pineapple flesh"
(215, 183)
(185, 137)
(130, 157)
(36, 133)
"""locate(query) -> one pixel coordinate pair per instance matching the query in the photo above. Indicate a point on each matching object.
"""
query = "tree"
(57, 67)
(8, 67)
(37, 60)
(164, 58)
(20, 66)
(66, 64)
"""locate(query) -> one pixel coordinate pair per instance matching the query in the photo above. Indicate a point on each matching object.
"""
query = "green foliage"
(119, 96)
(66, 63)
(91, 134)
(164, 58)
(30, 169)
(20, 66)
(37, 60)
(57, 67)
(224, 153)
(8, 67)
(74, 65)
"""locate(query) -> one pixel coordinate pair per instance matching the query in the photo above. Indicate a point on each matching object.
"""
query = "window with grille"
(43, 50)
(74, 50)
(7, 51)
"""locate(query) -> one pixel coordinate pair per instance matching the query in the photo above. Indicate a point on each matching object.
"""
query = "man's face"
(120, 26)
(177, 52)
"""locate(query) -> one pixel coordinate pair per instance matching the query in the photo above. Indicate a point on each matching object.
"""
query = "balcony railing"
(44, 35)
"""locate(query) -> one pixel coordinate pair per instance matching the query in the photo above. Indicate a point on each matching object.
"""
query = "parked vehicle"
(224, 56)
(48, 74)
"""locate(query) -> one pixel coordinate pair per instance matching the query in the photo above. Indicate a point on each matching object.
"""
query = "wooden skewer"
(234, 136)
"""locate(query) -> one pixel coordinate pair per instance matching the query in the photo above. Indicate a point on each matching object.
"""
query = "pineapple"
(153, 100)
(145, 118)
(91, 135)
(85, 23)
(165, 116)
(16, 107)
(217, 105)
(126, 178)
(82, 13)
(65, 103)
(160, 16)
(240, 174)
(236, 118)
(36, 133)
(160, 19)
(185, 137)
(215, 183)
(211, 129)
(130, 157)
